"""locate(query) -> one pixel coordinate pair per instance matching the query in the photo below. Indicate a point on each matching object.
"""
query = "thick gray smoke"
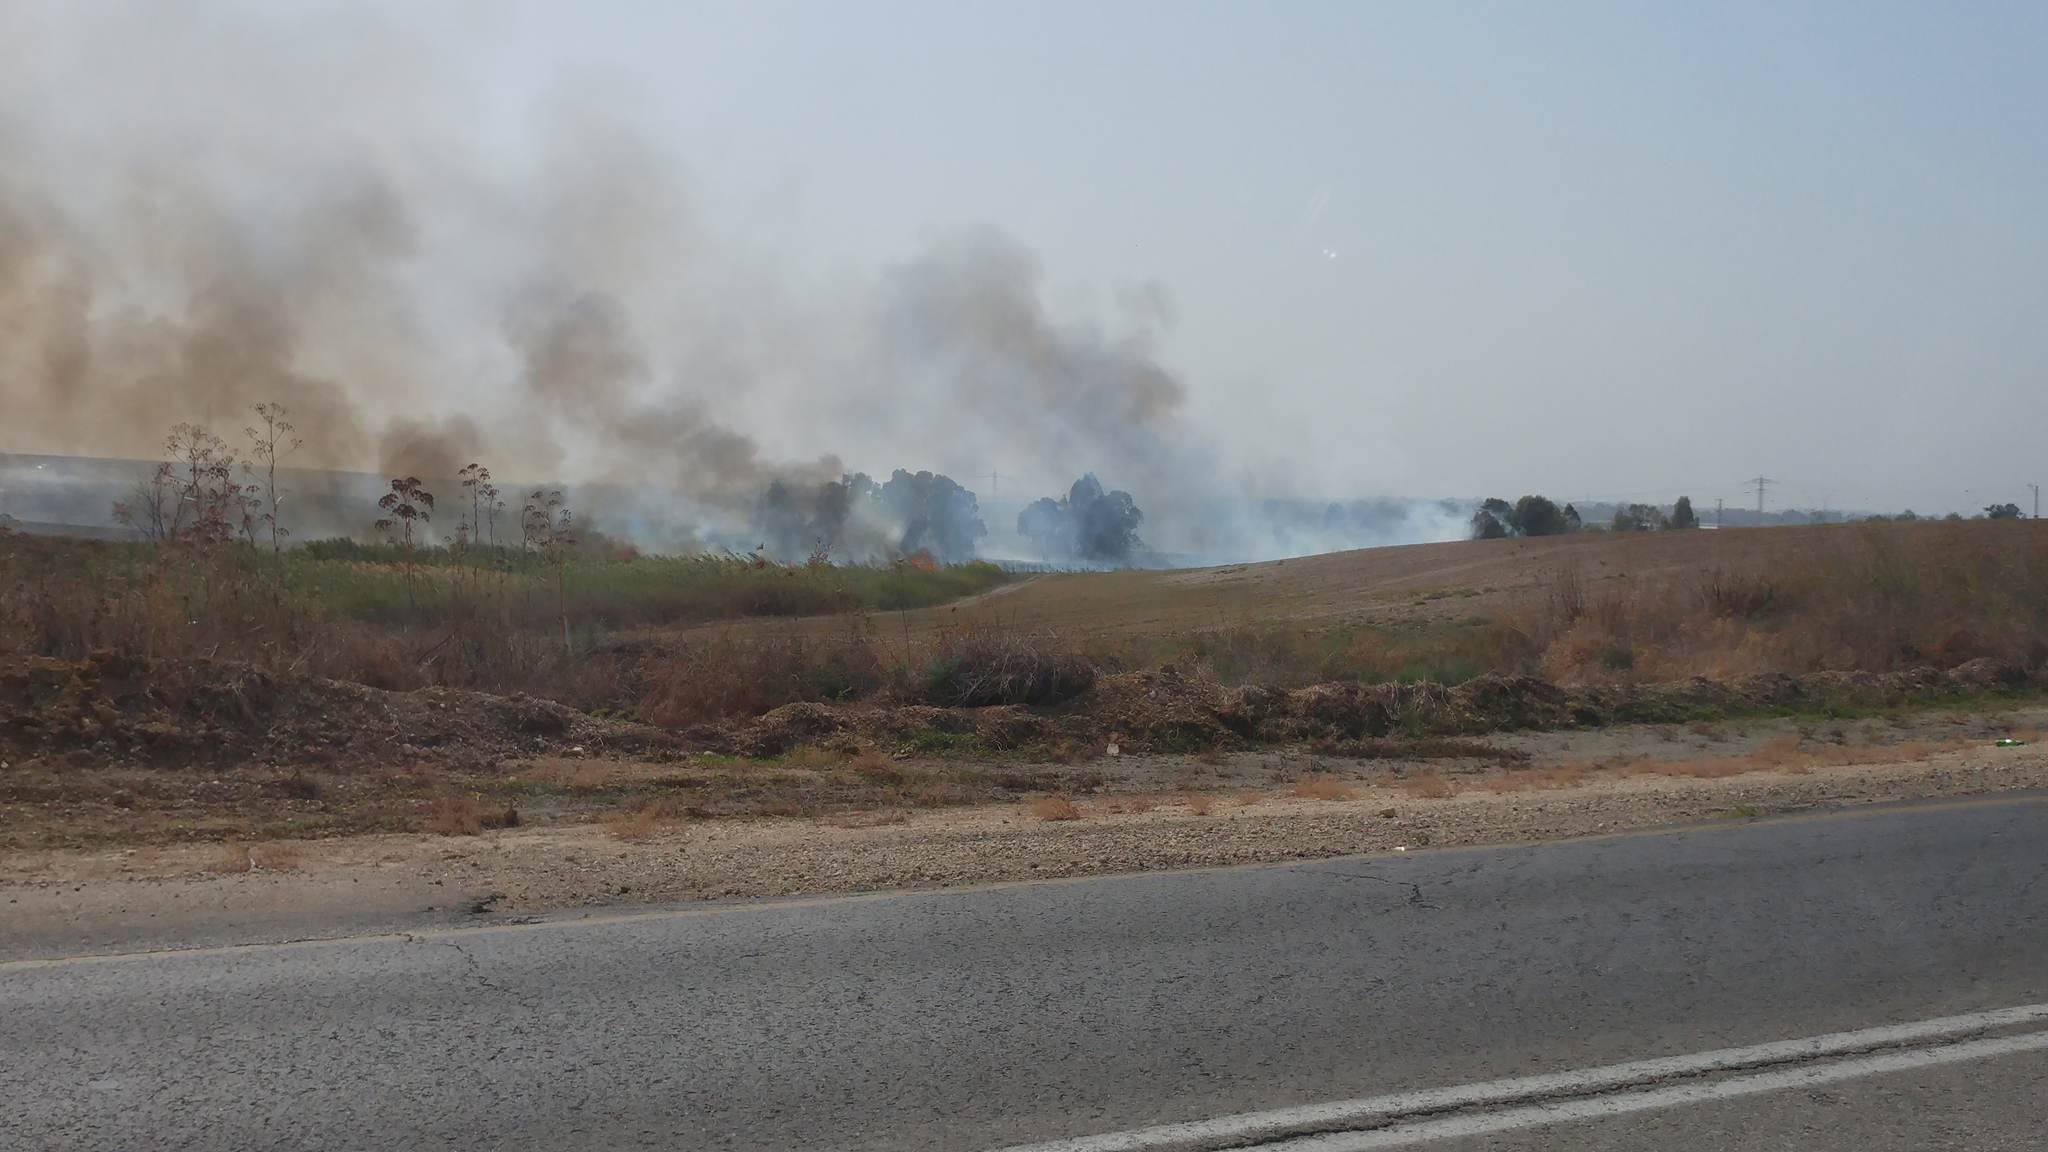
(205, 208)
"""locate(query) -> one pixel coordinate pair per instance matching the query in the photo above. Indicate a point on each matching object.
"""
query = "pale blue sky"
(1427, 248)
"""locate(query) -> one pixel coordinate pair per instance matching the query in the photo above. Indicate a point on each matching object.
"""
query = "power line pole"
(1761, 482)
(1717, 511)
(2037, 500)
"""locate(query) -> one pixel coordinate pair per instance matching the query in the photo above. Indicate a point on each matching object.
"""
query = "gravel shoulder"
(73, 902)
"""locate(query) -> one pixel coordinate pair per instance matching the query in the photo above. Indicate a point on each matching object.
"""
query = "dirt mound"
(116, 708)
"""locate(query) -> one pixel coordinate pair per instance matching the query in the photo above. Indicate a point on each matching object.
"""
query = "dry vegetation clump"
(987, 664)
(1430, 786)
(1554, 776)
(1322, 786)
(702, 680)
(455, 814)
(644, 819)
(1199, 803)
(1055, 808)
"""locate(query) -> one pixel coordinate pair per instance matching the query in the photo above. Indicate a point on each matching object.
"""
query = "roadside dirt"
(1165, 813)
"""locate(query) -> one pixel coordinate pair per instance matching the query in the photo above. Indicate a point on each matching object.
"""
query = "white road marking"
(1671, 1096)
(1250, 1127)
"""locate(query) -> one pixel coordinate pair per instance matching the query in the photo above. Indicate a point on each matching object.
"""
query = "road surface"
(1231, 1000)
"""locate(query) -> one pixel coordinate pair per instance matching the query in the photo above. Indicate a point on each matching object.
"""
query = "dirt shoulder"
(69, 901)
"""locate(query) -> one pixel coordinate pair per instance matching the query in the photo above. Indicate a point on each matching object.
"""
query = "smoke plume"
(204, 209)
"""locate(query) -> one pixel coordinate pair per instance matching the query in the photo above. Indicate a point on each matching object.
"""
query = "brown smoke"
(560, 318)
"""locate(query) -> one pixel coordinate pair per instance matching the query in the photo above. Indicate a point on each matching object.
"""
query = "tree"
(1532, 515)
(406, 504)
(151, 506)
(1088, 523)
(547, 526)
(1045, 523)
(210, 504)
(1538, 516)
(1639, 518)
(939, 517)
(268, 444)
(1105, 523)
(2002, 511)
(1494, 519)
(476, 479)
(1487, 526)
(1681, 514)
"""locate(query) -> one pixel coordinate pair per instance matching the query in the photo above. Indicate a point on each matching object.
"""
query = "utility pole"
(995, 487)
(1760, 483)
(2037, 500)
(1717, 511)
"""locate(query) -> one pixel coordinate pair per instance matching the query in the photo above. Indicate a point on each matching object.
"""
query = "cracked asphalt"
(977, 1018)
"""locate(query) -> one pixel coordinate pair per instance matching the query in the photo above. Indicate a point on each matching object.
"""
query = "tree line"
(1535, 515)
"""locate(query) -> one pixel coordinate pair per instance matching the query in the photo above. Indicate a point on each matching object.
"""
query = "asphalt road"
(983, 1018)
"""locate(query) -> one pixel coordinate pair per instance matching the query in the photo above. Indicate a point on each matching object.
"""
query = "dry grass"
(1564, 775)
(811, 758)
(1870, 597)
(644, 820)
(1591, 607)
(456, 814)
(1321, 786)
(1430, 786)
(881, 819)
(875, 767)
(265, 856)
(1055, 808)
(1199, 803)
(987, 663)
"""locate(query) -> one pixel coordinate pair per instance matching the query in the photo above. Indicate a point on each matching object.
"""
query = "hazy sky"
(1607, 250)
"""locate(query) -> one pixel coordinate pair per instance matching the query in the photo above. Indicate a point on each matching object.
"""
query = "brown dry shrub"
(1321, 786)
(643, 820)
(707, 679)
(1072, 752)
(988, 664)
(1199, 803)
(1055, 808)
(1429, 786)
(810, 758)
(456, 814)
(872, 765)
(1563, 775)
